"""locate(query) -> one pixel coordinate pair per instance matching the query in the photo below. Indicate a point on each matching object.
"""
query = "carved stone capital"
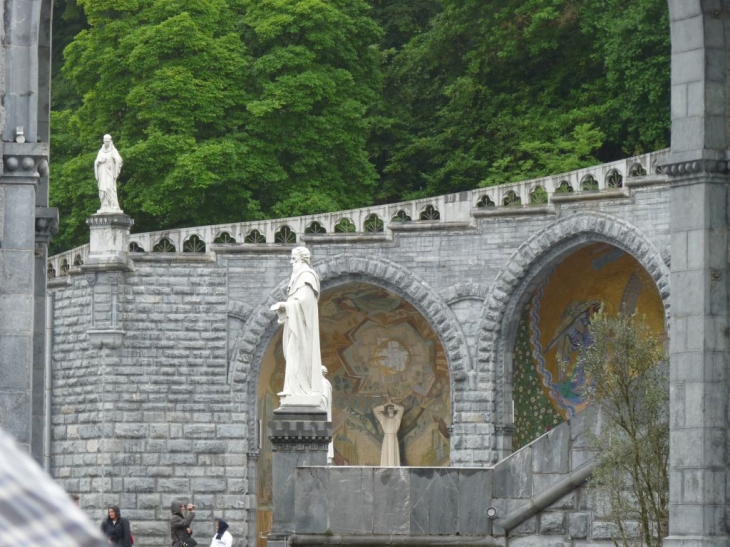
(300, 447)
(299, 436)
(25, 162)
(46, 223)
(506, 430)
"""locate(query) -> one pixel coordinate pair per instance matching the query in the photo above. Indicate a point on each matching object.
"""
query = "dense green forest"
(234, 110)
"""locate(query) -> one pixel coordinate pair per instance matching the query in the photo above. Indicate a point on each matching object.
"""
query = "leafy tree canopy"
(503, 90)
(222, 110)
(231, 110)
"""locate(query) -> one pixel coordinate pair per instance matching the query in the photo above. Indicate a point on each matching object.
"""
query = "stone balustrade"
(378, 223)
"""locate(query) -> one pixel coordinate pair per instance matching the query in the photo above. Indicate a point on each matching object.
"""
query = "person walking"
(116, 528)
(222, 537)
(180, 530)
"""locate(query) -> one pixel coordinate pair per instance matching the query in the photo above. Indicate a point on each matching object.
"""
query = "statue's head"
(390, 410)
(107, 139)
(301, 254)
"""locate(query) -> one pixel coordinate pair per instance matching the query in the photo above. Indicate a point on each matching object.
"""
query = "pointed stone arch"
(527, 266)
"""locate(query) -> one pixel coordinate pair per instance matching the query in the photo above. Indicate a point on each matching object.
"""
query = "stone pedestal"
(299, 437)
(105, 267)
(109, 243)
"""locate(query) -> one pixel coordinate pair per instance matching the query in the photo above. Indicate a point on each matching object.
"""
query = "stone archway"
(260, 327)
(527, 264)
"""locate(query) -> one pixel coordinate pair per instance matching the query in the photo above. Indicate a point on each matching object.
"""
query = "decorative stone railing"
(379, 222)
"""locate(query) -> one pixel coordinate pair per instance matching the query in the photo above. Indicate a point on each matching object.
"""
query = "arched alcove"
(552, 331)
(530, 264)
(376, 345)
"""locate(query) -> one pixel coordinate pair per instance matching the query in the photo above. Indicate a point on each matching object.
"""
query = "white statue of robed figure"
(389, 415)
(107, 166)
(299, 315)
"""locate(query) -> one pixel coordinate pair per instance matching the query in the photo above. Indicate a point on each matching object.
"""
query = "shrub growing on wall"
(629, 383)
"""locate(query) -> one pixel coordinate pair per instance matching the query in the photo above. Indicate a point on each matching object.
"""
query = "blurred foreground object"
(34, 511)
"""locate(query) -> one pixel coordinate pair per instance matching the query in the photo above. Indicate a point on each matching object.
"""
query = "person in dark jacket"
(180, 523)
(116, 528)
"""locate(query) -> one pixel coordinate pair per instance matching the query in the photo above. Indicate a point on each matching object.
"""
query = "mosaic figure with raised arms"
(107, 166)
(300, 317)
(389, 414)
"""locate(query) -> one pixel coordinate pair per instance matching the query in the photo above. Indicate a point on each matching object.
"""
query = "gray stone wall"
(171, 412)
(154, 420)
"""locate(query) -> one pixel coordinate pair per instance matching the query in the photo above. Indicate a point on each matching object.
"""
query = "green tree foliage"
(69, 19)
(230, 110)
(315, 74)
(222, 110)
(631, 49)
(502, 90)
(630, 385)
(401, 20)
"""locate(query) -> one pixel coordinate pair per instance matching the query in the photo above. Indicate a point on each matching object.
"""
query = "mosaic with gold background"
(375, 345)
(548, 373)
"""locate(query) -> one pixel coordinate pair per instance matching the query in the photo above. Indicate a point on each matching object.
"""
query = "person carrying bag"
(180, 530)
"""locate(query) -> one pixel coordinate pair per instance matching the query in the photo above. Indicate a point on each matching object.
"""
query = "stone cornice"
(513, 211)
(298, 436)
(429, 226)
(696, 167)
(345, 238)
(572, 197)
(113, 219)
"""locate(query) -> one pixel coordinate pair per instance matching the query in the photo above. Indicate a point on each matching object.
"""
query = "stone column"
(46, 226)
(299, 437)
(23, 165)
(699, 353)
(699, 359)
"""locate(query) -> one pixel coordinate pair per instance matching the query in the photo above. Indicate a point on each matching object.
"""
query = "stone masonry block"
(578, 525)
(552, 523)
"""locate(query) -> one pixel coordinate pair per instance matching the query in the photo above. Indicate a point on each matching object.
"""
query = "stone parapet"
(378, 225)
(533, 497)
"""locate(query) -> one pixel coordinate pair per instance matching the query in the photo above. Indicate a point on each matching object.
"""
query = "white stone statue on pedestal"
(299, 315)
(389, 415)
(107, 166)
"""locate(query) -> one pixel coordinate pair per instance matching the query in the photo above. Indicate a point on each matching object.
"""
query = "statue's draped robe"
(390, 453)
(303, 375)
(107, 167)
(327, 404)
